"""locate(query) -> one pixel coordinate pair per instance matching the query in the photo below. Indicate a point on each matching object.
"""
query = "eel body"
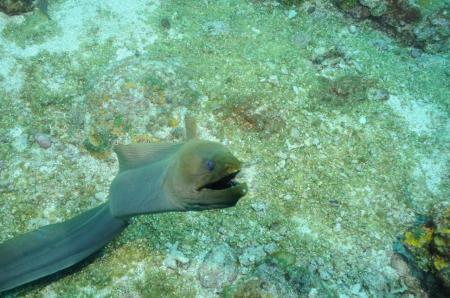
(152, 178)
(55, 247)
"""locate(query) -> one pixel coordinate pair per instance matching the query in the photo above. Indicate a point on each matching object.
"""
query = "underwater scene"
(225, 148)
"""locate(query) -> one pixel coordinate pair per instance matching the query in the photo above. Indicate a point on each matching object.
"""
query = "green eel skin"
(152, 178)
(55, 247)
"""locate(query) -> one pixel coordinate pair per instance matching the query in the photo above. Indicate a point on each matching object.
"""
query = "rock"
(352, 29)
(376, 7)
(333, 53)
(399, 265)
(15, 7)
(405, 20)
(252, 255)
(42, 140)
(219, 267)
(433, 34)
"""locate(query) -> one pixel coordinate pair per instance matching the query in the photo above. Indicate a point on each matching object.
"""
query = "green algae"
(35, 29)
(158, 284)
(337, 169)
(233, 73)
(56, 79)
(283, 259)
(347, 4)
(99, 141)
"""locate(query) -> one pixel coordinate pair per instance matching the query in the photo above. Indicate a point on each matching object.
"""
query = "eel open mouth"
(223, 183)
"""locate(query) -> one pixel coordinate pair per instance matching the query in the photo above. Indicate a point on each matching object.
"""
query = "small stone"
(273, 80)
(337, 227)
(362, 120)
(352, 29)
(101, 196)
(219, 267)
(42, 140)
(291, 14)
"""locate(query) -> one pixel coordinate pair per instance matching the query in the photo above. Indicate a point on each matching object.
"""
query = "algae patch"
(35, 29)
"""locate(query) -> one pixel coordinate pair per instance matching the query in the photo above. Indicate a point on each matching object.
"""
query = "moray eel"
(152, 178)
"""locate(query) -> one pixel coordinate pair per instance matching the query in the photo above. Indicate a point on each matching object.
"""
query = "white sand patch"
(422, 118)
(11, 77)
(82, 22)
(303, 228)
(432, 169)
(425, 119)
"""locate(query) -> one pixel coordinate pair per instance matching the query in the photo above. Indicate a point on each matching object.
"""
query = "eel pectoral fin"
(52, 248)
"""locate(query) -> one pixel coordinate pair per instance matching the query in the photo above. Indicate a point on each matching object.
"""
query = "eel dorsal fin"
(137, 155)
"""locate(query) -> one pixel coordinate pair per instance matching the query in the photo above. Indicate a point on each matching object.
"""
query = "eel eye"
(210, 165)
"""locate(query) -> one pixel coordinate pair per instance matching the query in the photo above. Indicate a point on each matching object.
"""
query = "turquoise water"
(342, 125)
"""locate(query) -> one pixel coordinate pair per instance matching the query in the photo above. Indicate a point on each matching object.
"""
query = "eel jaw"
(225, 182)
(222, 193)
